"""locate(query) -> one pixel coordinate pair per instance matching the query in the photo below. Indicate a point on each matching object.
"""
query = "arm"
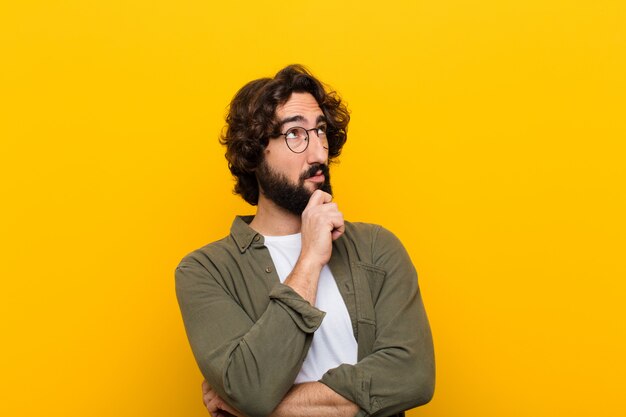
(251, 365)
(399, 374)
(321, 224)
(314, 399)
(311, 399)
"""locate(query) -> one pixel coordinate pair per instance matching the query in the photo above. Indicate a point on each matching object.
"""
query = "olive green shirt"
(250, 333)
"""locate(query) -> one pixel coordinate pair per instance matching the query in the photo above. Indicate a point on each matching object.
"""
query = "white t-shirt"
(333, 342)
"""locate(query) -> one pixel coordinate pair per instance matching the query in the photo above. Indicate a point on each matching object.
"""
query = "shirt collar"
(242, 233)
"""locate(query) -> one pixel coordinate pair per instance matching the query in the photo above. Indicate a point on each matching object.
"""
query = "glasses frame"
(308, 137)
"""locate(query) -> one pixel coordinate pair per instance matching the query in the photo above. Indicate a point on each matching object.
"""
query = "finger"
(336, 233)
(329, 207)
(228, 409)
(325, 219)
(208, 396)
(206, 400)
(223, 407)
(322, 212)
(334, 218)
(338, 226)
(219, 408)
(205, 387)
(211, 406)
(319, 197)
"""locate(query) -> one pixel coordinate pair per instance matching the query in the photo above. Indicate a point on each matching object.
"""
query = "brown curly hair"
(251, 122)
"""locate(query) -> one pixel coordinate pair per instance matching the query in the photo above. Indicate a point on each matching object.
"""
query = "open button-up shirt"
(250, 333)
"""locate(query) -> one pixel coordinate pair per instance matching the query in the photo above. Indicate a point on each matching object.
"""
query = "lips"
(318, 177)
(317, 173)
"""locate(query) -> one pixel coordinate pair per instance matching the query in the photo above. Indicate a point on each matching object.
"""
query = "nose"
(316, 153)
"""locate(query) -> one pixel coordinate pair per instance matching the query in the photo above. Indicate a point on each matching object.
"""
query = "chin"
(311, 187)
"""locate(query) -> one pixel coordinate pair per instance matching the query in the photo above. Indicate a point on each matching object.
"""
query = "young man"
(298, 312)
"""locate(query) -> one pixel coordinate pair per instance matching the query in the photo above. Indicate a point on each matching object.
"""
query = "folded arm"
(242, 359)
(311, 399)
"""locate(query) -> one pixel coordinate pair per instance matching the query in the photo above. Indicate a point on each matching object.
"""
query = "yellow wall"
(489, 135)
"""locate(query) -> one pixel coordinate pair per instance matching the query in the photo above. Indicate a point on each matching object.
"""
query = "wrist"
(309, 264)
(304, 278)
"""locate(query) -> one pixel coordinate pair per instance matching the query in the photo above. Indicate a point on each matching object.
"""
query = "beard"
(292, 197)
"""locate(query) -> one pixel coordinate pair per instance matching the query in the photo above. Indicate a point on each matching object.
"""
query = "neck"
(272, 220)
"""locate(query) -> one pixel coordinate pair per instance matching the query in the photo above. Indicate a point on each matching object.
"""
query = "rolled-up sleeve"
(250, 364)
(399, 374)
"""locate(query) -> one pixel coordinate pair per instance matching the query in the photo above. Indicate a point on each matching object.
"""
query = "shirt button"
(268, 269)
(256, 238)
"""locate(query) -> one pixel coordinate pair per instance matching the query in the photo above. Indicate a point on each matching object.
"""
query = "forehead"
(299, 104)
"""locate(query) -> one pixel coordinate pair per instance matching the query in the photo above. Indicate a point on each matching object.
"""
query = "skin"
(320, 224)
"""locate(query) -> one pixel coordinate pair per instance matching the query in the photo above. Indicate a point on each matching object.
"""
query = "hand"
(322, 222)
(214, 403)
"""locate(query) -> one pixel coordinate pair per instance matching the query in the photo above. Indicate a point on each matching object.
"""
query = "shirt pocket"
(375, 277)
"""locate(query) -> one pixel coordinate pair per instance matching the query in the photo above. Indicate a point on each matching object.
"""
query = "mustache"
(313, 170)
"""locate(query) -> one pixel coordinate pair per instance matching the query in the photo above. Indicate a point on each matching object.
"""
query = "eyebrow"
(300, 118)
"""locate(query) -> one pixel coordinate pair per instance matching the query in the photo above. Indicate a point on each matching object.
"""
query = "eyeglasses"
(297, 138)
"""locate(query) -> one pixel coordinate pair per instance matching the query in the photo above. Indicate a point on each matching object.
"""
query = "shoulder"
(224, 249)
(382, 246)
(208, 255)
(204, 268)
(374, 234)
(372, 243)
(361, 231)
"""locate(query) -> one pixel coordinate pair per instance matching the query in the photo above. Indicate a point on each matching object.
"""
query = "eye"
(321, 130)
(292, 134)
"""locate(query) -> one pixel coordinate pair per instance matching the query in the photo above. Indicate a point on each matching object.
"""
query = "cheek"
(289, 164)
(272, 157)
(294, 170)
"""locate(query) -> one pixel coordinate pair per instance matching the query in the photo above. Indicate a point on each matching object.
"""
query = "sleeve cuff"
(353, 384)
(307, 317)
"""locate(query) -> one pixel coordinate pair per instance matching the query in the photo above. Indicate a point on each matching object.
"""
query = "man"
(298, 312)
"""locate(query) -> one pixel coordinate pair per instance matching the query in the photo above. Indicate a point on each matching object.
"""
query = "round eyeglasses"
(297, 138)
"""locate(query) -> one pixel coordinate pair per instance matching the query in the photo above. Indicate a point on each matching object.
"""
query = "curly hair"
(251, 122)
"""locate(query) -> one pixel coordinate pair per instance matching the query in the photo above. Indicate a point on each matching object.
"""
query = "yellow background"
(488, 135)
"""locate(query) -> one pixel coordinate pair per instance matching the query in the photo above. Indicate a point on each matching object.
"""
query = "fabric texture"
(250, 333)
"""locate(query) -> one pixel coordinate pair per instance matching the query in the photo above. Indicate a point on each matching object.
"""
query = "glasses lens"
(321, 133)
(296, 139)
